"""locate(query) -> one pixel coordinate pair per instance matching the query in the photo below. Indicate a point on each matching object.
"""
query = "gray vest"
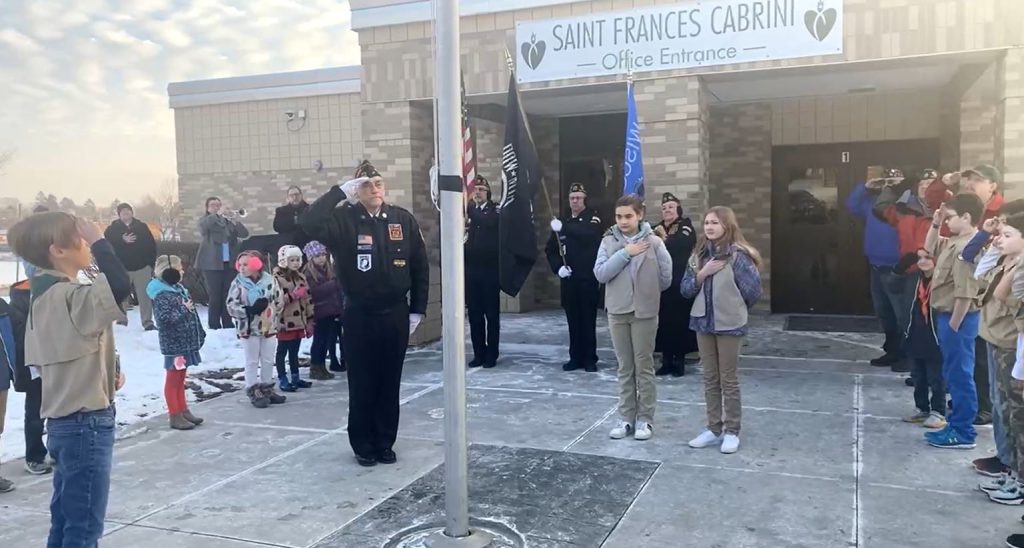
(730, 311)
(622, 294)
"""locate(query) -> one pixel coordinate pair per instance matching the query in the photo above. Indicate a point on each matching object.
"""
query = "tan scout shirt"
(954, 278)
(70, 339)
(997, 325)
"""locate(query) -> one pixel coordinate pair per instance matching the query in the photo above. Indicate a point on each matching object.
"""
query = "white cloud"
(88, 84)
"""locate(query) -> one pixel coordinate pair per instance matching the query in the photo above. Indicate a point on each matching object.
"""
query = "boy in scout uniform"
(954, 300)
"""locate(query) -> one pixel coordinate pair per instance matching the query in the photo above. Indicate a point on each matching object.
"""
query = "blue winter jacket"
(181, 330)
(881, 244)
(8, 351)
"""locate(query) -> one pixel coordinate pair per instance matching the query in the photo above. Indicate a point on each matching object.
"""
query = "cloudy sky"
(83, 83)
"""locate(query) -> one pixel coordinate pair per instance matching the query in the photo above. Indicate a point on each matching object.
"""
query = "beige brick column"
(673, 117)
(398, 139)
(1009, 149)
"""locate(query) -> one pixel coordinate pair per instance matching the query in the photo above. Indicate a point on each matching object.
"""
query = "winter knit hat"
(164, 262)
(314, 249)
(287, 252)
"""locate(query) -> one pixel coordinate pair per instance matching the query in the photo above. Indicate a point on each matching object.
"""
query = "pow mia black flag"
(520, 177)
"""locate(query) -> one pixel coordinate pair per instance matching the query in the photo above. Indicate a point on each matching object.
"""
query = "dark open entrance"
(591, 149)
(818, 265)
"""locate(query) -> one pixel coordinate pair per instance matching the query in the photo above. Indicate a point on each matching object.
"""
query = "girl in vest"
(723, 279)
(635, 267)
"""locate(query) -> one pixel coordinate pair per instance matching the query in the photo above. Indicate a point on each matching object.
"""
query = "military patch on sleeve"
(363, 262)
(595, 219)
(686, 230)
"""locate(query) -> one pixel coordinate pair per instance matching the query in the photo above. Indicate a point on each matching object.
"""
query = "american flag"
(468, 150)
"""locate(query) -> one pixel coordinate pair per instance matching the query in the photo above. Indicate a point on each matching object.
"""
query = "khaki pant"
(633, 340)
(719, 355)
(3, 409)
(140, 279)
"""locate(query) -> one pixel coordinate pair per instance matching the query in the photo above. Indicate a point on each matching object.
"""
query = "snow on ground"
(142, 363)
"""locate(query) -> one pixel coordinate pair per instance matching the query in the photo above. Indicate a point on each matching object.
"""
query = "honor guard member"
(675, 339)
(381, 261)
(571, 252)
(482, 289)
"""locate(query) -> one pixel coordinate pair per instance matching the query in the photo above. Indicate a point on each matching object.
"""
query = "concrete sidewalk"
(825, 461)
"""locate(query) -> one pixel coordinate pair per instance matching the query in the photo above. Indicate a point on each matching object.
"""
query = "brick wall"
(672, 114)
(741, 173)
(853, 118)
(1010, 121)
(978, 121)
(255, 136)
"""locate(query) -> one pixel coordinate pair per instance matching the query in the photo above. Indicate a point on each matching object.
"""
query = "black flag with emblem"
(520, 177)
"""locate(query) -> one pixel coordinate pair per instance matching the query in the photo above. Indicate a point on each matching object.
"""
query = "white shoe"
(730, 444)
(621, 430)
(642, 431)
(705, 439)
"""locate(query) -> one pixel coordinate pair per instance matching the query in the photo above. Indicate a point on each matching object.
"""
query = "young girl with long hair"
(635, 267)
(722, 276)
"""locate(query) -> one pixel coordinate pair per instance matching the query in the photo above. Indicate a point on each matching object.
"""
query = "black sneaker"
(6, 485)
(590, 368)
(909, 381)
(1015, 540)
(38, 468)
(366, 461)
(571, 366)
(884, 361)
(387, 456)
(477, 362)
(983, 418)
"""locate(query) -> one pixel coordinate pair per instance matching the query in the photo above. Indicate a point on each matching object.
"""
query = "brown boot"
(178, 422)
(187, 413)
(320, 373)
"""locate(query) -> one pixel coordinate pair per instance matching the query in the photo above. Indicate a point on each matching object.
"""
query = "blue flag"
(633, 167)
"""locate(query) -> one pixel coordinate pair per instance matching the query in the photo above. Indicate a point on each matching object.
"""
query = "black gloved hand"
(258, 306)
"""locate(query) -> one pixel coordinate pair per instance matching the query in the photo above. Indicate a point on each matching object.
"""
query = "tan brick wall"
(254, 135)
(741, 173)
(673, 118)
(853, 118)
(978, 121)
(397, 62)
(1010, 121)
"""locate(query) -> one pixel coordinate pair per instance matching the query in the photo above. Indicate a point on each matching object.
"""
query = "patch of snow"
(143, 393)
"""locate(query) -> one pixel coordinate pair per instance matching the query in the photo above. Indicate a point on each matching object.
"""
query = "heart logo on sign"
(819, 23)
(533, 52)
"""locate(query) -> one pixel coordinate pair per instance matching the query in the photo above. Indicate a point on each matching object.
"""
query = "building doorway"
(818, 265)
(591, 152)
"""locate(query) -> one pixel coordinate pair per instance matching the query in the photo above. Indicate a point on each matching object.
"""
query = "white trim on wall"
(284, 85)
(418, 11)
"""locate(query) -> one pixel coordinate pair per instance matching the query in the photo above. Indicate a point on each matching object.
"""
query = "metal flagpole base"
(476, 539)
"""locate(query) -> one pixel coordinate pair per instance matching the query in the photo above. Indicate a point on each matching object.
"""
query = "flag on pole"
(633, 167)
(468, 146)
(520, 177)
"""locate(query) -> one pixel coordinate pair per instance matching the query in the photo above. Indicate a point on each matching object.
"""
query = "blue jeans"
(958, 371)
(892, 295)
(82, 446)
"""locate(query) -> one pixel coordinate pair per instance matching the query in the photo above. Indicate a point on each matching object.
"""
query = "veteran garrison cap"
(577, 187)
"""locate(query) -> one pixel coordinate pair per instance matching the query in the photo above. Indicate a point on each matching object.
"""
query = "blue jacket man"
(891, 293)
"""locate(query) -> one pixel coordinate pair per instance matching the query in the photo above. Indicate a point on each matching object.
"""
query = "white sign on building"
(685, 35)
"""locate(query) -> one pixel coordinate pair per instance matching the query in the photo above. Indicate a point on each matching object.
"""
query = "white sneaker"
(730, 444)
(705, 439)
(621, 430)
(643, 431)
(934, 421)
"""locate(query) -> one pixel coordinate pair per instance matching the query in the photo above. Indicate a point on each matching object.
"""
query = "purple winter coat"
(325, 291)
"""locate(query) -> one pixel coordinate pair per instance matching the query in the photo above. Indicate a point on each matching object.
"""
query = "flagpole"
(451, 189)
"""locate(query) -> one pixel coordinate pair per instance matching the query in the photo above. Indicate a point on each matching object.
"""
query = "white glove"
(414, 322)
(564, 272)
(351, 189)
(556, 225)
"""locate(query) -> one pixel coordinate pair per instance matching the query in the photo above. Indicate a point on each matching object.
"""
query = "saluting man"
(571, 252)
(381, 261)
(482, 288)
